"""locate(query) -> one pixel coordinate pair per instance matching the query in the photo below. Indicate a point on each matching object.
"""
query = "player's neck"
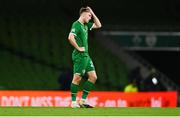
(81, 21)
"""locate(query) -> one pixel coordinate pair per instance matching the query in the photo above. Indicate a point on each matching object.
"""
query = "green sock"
(87, 87)
(74, 90)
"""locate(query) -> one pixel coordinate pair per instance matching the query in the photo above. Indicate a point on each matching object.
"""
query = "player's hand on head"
(89, 9)
(81, 49)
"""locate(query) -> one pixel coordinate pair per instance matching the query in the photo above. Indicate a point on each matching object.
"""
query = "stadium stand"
(33, 44)
(34, 50)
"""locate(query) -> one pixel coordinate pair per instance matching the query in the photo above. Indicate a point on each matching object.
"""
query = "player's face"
(87, 17)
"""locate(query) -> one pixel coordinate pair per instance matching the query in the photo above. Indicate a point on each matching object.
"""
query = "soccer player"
(82, 63)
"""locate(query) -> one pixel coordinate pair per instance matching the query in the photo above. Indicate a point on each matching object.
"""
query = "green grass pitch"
(54, 111)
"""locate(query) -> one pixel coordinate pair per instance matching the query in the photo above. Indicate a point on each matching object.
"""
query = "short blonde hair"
(83, 9)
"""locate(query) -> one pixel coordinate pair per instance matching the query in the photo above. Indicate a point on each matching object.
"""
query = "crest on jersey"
(83, 71)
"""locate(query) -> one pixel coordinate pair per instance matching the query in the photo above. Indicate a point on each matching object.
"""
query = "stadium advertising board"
(98, 99)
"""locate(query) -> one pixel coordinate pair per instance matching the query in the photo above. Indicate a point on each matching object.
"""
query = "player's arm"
(97, 23)
(72, 41)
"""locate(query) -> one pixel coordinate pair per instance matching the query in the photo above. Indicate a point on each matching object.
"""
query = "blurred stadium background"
(139, 40)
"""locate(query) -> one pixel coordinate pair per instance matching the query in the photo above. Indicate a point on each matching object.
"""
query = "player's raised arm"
(97, 23)
(72, 41)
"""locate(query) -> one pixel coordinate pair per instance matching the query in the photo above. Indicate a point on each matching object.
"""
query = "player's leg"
(89, 84)
(92, 77)
(79, 70)
(74, 89)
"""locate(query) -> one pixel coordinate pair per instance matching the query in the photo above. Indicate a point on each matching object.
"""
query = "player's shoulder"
(76, 23)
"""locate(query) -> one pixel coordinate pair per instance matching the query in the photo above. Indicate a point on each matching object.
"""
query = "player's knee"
(93, 78)
(76, 79)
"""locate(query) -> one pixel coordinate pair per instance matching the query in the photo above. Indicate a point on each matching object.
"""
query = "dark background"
(121, 15)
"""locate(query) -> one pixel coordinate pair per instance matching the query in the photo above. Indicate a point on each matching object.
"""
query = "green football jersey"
(81, 35)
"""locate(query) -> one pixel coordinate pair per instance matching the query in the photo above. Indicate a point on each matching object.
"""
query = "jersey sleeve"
(74, 29)
(90, 25)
